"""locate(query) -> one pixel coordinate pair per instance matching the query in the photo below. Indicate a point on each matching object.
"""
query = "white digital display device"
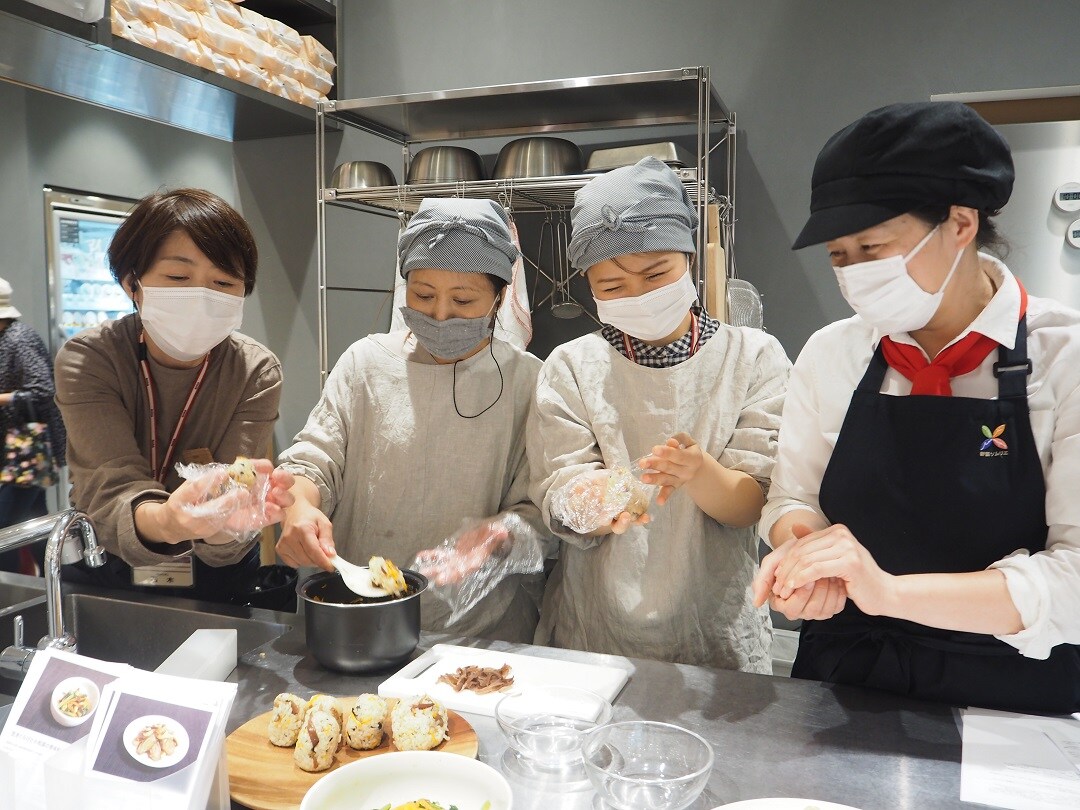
(1067, 197)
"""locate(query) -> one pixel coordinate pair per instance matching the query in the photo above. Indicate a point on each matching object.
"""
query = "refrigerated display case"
(82, 291)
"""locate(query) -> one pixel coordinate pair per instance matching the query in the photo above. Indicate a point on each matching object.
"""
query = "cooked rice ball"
(287, 718)
(319, 740)
(364, 724)
(328, 704)
(242, 471)
(419, 723)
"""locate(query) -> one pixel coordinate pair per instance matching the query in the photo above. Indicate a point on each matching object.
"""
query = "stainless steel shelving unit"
(679, 98)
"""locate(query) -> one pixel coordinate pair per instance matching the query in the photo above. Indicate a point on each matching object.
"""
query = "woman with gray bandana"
(422, 429)
(699, 399)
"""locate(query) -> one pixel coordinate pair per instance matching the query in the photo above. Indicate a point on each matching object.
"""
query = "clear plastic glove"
(233, 498)
(593, 499)
(468, 565)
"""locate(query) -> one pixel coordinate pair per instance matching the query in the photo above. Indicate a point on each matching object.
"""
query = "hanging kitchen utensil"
(547, 231)
(744, 304)
(563, 305)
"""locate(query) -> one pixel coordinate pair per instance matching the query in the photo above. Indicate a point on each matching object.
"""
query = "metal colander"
(744, 304)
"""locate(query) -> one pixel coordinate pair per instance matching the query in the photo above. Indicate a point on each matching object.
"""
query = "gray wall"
(1046, 155)
(794, 71)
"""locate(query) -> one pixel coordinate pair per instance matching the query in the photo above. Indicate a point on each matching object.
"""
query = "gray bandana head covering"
(634, 209)
(470, 236)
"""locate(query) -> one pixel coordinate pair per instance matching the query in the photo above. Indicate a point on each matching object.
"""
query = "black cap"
(902, 157)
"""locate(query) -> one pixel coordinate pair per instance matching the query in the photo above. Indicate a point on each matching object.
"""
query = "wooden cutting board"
(263, 776)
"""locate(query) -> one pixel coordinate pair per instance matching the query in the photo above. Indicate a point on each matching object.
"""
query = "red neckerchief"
(151, 395)
(932, 378)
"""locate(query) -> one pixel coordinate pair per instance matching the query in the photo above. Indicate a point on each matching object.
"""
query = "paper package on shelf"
(227, 13)
(180, 19)
(146, 10)
(256, 23)
(176, 44)
(311, 97)
(299, 68)
(217, 62)
(294, 91)
(134, 29)
(252, 74)
(284, 35)
(265, 55)
(318, 55)
(221, 37)
(320, 82)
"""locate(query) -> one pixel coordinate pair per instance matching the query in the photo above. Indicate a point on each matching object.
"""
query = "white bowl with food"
(401, 777)
(156, 741)
(74, 700)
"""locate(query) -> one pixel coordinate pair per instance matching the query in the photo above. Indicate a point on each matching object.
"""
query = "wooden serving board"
(263, 776)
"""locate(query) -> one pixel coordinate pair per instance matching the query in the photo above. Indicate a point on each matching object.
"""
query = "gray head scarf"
(634, 209)
(470, 236)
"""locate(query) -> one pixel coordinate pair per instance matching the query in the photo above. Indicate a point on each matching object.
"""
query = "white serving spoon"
(357, 578)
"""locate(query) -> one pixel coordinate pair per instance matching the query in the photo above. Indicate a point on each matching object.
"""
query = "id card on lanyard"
(178, 573)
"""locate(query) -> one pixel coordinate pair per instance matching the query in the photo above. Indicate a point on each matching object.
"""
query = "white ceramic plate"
(84, 685)
(405, 776)
(784, 804)
(139, 723)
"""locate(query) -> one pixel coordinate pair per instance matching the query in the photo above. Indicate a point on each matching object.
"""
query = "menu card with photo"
(57, 701)
(159, 729)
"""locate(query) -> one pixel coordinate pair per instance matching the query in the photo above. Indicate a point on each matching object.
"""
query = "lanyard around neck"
(695, 335)
(151, 395)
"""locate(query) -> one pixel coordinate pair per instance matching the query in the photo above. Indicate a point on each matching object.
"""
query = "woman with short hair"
(172, 382)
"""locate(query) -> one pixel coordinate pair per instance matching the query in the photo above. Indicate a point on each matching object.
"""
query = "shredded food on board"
(482, 680)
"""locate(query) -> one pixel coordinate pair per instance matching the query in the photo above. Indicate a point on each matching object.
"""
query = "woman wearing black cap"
(923, 505)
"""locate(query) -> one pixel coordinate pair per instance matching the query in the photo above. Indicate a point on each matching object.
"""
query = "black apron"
(921, 482)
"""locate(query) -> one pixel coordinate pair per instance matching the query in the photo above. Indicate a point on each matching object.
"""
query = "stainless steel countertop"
(772, 736)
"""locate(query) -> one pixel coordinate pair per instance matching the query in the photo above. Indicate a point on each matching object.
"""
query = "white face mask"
(187, 322)
(886, 296)
(653, 315)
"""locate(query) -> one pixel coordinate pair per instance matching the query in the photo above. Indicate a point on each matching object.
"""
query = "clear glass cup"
(644, 765)
(546, 724)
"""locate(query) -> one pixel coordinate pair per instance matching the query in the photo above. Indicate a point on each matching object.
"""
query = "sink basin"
(145, 634)
(12, 594)
(142, 634)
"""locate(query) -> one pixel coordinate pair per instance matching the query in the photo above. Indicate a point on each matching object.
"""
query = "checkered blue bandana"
(470, 236)
(634, 209)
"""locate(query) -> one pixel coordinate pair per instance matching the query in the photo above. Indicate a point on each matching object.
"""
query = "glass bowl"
(546, 724)
(642, 765)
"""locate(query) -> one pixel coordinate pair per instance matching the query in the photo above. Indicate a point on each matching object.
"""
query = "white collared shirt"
(1045, 586)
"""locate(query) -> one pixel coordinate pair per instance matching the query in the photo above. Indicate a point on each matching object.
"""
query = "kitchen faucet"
(64, 530)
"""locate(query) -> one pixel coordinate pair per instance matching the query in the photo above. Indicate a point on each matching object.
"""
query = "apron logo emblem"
(993, 440)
